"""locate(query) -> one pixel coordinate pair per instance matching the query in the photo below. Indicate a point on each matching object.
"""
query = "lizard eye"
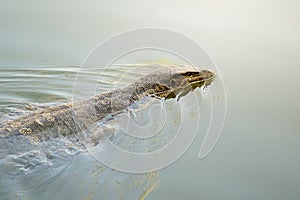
(189, 73)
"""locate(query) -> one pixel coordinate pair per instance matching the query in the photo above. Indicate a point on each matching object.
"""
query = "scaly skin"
(167, 82)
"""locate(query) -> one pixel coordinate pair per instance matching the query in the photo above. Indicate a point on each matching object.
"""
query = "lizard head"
(175, 81)
(192, 78)
(186, 79)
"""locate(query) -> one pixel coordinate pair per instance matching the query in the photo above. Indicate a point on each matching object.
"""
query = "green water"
(255, 44)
